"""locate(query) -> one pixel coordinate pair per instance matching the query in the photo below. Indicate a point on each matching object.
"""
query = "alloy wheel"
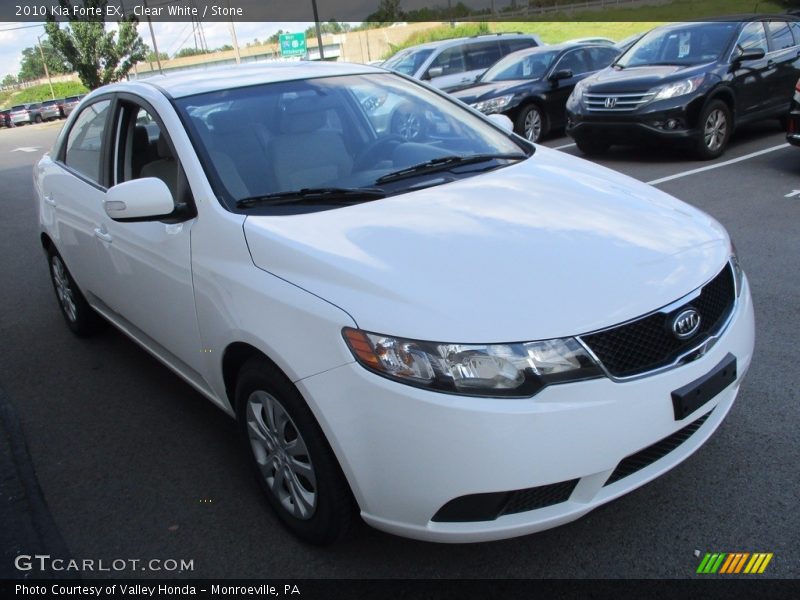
(63, 288)
(716, 128)
(533, 125)
(282, 455)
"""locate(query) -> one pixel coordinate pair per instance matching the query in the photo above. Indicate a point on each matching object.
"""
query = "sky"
(170, 37)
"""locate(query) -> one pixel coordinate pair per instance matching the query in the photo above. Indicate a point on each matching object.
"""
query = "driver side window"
(450, 61)
(753, 37)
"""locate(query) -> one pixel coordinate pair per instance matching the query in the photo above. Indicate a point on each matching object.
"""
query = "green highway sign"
(293, 44)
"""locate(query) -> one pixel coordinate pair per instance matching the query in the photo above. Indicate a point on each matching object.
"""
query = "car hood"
(638, 79)
(484, 91)
(549, 247)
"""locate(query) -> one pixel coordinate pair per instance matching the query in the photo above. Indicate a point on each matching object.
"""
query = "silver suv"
(452, 64)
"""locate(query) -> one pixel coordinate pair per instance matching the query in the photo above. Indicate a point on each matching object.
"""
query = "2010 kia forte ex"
(412, 313)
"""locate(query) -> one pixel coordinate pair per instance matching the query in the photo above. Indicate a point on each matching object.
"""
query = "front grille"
(616, 102)
(487, 507)
(648, 343)
(645, 458)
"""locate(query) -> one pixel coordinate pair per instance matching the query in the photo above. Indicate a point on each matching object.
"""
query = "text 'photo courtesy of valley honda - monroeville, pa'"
(458, 335)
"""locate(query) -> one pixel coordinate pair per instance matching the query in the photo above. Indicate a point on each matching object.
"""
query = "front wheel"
(715, 123)
(38, 119)
(290, 456)
(530, 123)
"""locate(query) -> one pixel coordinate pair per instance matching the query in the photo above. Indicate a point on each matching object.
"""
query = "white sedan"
(457, 334)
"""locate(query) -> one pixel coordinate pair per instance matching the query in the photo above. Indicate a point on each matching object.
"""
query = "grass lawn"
(617, 24)
(38, 93)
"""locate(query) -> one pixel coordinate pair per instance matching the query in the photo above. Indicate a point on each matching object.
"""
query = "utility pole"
(319, 31)
(235, 41)
(153, 38)
(46, 70)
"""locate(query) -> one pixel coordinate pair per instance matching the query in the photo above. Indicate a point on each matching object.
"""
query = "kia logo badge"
(611, 102)
(686, 323)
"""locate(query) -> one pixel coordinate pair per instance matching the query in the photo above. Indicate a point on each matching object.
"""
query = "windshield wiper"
(444, 162)
(323, 195)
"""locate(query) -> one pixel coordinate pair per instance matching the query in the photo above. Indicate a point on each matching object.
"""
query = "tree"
(31, 66)
(388, 12)
(189, 52)
(150, 56)
(98, 56)
(9, 80)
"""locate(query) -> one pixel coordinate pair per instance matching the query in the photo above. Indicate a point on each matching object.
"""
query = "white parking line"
(562, 147)
(717, 165)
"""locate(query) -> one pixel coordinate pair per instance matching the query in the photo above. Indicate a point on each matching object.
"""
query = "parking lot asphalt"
(135, 464)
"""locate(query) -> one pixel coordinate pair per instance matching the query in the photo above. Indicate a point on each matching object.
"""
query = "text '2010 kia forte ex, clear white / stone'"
(413, 314)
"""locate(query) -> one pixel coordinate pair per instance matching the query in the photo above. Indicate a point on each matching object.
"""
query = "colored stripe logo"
(733, 563)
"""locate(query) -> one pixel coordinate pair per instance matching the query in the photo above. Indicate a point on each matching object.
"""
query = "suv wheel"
(592, 146)
(715, 124)
(38, 119)
(292, 460)
(81, 318)
(530, 123)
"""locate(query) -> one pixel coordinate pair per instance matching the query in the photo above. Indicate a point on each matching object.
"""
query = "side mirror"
(139, 199)
(434, 72)
(503, 121)
(561, 74)
(751, 54)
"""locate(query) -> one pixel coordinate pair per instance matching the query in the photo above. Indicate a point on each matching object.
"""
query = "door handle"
(770, 63)
(103, 235)
(48, 199)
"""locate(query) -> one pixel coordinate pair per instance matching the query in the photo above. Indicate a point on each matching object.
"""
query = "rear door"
(73, 189)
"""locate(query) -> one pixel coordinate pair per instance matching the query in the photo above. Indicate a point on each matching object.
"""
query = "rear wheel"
(715, 124)
(592, 146)
(81, 318)
(290, 456)
(38, 119)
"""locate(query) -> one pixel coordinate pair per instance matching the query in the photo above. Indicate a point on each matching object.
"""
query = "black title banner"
(385, 11)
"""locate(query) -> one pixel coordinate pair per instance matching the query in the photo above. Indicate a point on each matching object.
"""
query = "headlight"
(517, 370)
(679, 88)
(493, 105)
(738, 274)
(577, 91)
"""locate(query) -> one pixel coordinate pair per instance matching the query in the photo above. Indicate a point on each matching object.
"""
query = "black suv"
(689, 83)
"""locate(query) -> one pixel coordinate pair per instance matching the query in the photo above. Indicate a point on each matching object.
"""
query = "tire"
(38, 119)
(592, 146)
(291, 458)
(531, 123)
(715, 126)
(80, 317)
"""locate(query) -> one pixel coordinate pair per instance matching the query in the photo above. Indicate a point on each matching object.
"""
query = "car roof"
(200, 81)
(473, 38)
(557, 48)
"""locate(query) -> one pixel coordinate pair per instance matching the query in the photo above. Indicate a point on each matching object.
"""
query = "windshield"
(337, 132)
(407, 62)
(689, 44)
(521, 65)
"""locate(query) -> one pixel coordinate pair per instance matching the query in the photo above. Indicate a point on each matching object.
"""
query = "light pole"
(46, 70)
(319, 32)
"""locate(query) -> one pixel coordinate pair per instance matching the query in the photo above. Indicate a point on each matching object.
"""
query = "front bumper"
(407, 452)
(646, 124)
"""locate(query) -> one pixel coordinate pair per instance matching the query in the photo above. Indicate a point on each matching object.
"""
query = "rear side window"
(482, 55)
(781, 35)
(509, 46)
(85, 140)
(575, 61)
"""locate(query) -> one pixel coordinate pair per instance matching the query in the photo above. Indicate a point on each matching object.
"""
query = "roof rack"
(497, 34)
